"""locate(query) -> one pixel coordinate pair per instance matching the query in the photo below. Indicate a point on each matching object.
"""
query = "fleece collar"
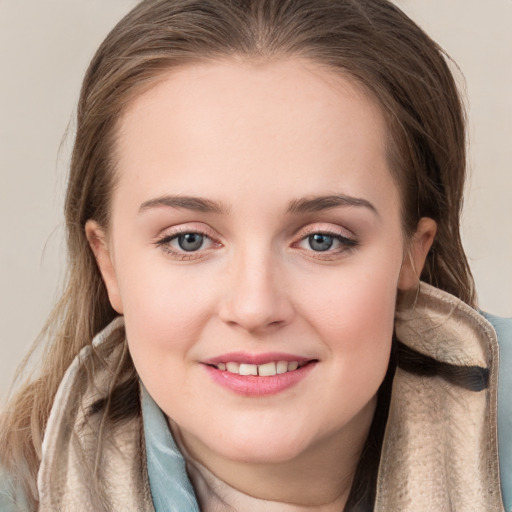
(440, 445)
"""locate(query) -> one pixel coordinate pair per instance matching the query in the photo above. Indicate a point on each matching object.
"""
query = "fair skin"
(268, 270)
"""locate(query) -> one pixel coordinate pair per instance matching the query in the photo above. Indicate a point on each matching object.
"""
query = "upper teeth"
(263, 370)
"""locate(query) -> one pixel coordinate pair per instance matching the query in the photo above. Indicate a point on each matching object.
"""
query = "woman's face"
(255, 225)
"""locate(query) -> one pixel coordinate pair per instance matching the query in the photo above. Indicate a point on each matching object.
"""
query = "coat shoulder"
(503, 328)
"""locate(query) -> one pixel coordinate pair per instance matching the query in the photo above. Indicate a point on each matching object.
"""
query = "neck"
(321, 475)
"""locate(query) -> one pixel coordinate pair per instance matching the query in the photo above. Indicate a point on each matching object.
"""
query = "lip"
(256, 386)
(245, 357)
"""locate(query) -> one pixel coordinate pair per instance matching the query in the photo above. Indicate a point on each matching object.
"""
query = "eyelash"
(346, 244)
(165, 244)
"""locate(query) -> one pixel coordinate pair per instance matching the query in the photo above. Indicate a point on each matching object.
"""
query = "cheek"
(362, 330)
(354, 315)
(358, 298)
(165, 312)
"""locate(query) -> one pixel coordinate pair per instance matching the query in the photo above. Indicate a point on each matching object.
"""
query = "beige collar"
(73, 476)
(440, 446)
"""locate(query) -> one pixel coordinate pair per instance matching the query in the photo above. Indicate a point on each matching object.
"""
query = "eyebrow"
(197, 204)
(303, 205)
(317, 204)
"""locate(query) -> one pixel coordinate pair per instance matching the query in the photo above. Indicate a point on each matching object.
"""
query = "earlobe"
(415, 258)
(98, 242)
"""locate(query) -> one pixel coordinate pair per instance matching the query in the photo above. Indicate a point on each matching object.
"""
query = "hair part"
(371, 41)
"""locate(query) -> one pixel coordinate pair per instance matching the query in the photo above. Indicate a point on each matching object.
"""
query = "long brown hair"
(371, 41)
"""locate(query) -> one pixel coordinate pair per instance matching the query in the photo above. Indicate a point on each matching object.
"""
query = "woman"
(255, 191)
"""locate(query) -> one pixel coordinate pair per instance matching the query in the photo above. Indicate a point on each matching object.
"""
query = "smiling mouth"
(262, 370)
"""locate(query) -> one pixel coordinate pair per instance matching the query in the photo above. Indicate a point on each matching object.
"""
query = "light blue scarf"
(171, 488)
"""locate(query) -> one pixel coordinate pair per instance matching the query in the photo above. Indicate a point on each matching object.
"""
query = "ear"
(98, 242)
(415, 258)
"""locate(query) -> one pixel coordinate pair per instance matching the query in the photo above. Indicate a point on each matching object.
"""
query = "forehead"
(289, 123)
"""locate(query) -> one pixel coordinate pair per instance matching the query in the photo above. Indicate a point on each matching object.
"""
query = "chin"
(263, 447)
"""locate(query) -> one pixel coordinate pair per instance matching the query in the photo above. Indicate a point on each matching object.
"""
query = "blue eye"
(326, 244)
(190, 242)
(320, 242)
(187, 245)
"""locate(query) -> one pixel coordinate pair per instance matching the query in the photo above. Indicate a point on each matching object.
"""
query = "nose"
(256, 298)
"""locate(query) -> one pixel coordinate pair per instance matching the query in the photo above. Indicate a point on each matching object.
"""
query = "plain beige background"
(45, 47)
